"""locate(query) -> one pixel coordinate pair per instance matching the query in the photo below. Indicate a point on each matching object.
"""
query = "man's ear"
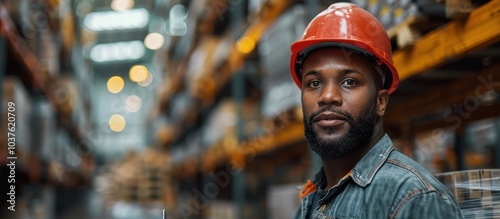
(382, 100)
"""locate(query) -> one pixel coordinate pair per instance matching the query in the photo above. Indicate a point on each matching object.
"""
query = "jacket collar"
(367, 167)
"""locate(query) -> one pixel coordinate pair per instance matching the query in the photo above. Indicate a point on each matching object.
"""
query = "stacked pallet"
(149, 187)
(138, 178)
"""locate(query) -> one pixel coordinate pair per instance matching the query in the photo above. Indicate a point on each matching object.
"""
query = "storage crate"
(477, 191)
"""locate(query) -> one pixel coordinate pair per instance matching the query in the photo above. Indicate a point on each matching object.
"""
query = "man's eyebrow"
(350, 71)
(312, 72)
(343, 72)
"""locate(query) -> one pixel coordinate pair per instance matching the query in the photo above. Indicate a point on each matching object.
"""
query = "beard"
(357, 136)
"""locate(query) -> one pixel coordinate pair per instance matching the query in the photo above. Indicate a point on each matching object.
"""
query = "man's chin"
(329, 135)
(331, 144)
(329, 139)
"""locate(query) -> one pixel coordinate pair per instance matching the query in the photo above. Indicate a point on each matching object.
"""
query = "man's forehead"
(324, 58)
(334, 55)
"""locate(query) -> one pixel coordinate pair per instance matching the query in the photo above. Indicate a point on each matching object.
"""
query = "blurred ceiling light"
(178, 12)
(178, 28)
(146, 82)
(177, 21)
(115, 84)
(113, 20)
(138, 73)
(117, 122)
(245, 45)
(154, 41)
(133, 103)
(122, 5)
(117, 51)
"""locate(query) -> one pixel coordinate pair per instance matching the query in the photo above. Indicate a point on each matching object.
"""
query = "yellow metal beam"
(459, 91)
(288, 134)
(480, 29)
(271, 10)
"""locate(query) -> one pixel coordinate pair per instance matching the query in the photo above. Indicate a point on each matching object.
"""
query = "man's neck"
(336, 169)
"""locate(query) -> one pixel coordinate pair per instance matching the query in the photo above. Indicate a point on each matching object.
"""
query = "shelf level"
(459, 37)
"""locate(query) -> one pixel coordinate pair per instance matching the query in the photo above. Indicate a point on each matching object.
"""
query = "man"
(344, 67)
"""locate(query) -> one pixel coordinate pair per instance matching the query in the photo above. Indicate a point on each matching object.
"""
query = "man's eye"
(349, 82)
(315, 84)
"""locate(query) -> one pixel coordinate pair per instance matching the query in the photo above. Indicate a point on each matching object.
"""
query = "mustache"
(347, 115)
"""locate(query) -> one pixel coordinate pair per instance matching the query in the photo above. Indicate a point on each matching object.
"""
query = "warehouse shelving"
(469, 86)
(209, 84)
(452, 41)
(41, 81)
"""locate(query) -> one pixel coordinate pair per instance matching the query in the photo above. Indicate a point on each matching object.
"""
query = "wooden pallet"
(143, 194)
(459, 9)
(407, 32)
(412, 28)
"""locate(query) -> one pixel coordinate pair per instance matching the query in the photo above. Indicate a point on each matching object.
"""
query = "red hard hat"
(350, 27)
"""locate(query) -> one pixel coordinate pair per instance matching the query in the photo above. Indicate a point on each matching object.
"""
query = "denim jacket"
(383, 184)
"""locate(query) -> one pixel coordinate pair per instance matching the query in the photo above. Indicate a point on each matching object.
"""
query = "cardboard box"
(477, 191)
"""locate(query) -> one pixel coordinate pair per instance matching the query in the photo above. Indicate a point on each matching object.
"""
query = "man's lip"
(329, 116)
(329, 119)
(332, 122)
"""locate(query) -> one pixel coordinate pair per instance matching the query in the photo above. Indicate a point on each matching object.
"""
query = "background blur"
(185, 108)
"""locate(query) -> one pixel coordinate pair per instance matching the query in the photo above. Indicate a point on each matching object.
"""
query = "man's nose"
(330, 95)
